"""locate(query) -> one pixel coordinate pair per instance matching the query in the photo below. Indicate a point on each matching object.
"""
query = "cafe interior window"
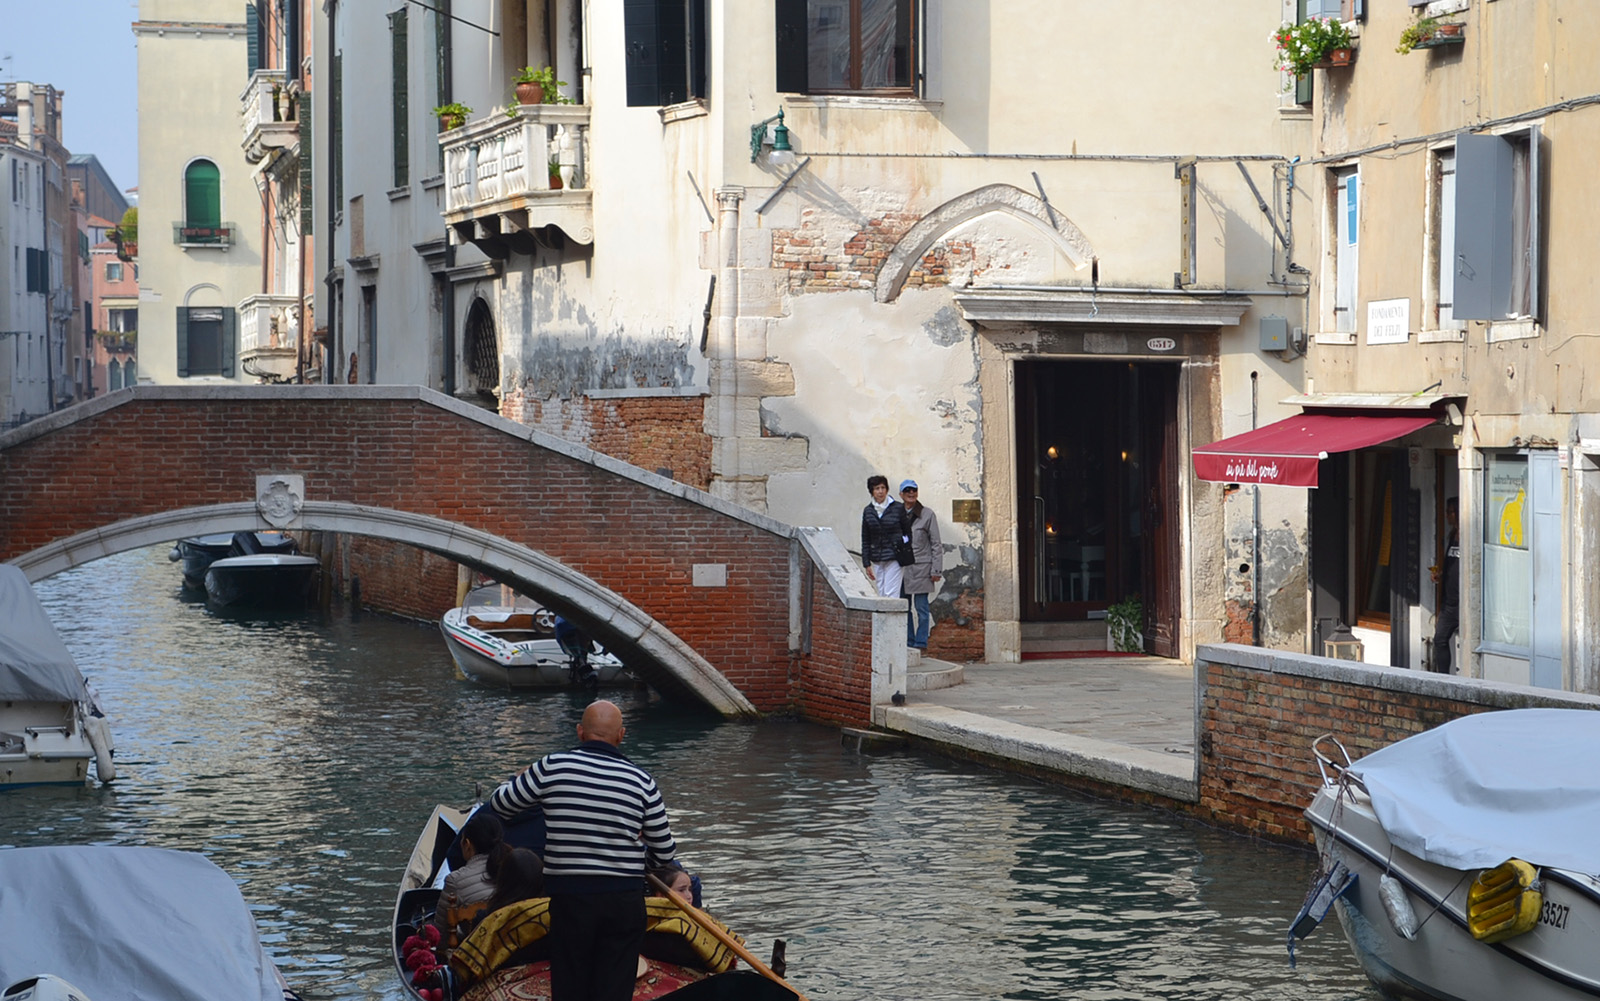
(1507, 554)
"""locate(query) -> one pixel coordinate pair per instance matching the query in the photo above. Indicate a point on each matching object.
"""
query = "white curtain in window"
(877, 43)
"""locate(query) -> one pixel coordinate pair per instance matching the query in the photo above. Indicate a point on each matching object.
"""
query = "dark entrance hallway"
(1097, 471)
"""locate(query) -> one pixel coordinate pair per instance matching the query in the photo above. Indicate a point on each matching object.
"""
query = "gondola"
(520, 979)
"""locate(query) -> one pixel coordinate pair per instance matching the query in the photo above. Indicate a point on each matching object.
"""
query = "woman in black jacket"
(883, 526)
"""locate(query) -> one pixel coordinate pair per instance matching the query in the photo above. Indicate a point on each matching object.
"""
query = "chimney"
(25, 115)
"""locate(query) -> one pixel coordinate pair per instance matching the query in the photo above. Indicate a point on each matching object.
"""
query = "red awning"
(1287, 453)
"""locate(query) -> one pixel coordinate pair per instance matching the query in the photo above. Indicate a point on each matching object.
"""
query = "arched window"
(481, 357)
(130, 373)
(202, 195)
(113, 376)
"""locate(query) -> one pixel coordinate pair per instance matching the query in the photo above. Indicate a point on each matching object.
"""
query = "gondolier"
(605, 823)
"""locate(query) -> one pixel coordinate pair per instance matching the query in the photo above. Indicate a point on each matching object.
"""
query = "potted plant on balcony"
(555, 174)
(1316, 41)
(452, 116)
(1424, 31)
(540, 86)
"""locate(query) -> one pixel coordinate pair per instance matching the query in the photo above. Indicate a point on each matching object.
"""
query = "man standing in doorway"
(1447, 591)
(604, 821)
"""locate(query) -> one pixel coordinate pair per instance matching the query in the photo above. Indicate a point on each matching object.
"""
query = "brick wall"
(396, 578)
(820, 259)
(1261, 709)
(652, 432)
(392, 448)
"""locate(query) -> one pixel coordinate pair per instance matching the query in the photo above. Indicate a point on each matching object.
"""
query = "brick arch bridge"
(728, 608)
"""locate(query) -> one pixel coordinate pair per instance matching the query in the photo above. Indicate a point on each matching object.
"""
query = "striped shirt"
(603, 816)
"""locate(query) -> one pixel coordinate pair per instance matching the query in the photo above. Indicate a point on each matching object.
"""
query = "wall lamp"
(782, 153)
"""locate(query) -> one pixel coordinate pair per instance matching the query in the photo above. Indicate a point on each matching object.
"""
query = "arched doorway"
(480, 357)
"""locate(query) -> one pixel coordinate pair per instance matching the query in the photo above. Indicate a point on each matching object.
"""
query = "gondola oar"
(715, 929)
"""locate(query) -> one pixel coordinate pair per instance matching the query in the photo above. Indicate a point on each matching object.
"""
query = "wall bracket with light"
(781, 153)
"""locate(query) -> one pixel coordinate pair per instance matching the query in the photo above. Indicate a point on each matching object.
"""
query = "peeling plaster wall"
(892, 390)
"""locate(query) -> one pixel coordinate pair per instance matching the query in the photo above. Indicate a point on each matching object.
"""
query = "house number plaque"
(966, 510)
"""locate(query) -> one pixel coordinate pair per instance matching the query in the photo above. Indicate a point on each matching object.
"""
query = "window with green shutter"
(202, 195)
(400, 104)
(252, 39)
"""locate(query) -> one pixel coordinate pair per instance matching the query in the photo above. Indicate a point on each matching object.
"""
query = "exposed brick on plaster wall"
(1239, 626)
(652, 432)
(957, 643)
(409, 456)
(820, 259)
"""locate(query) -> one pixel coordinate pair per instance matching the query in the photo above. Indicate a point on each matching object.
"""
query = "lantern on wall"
(1341, 644)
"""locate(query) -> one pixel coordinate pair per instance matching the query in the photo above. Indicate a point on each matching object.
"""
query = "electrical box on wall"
(1274, 333)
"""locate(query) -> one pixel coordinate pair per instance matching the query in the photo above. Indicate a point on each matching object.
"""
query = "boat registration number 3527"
(1554, 915)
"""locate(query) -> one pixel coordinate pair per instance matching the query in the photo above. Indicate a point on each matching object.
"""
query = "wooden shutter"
(230, 340)
(336, 134)
(1302, 85)
(252, 39)
(699, 48)
(291, 39)
(183, 342)
(202, 190)
(672, 42)
(641, 39)
(307, 203)
(402, 147)
(793, 44)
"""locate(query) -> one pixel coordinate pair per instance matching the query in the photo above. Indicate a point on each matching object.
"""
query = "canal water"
(303, 757)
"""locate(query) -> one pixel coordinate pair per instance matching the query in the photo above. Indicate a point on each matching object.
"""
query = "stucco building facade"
(1454, 280)
(199, 249)
(999, 258)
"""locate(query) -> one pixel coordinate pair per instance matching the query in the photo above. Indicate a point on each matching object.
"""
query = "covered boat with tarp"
(129, 922)
(51, 726)
(1466, 856)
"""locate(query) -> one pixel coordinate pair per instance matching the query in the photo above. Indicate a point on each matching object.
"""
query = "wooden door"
(1160, 516)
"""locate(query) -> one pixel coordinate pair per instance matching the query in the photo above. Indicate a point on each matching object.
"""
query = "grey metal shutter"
(183, 342)
(230, 340)
(1544, 496)
(1535, 221)
(1484, 238)
(793, 47)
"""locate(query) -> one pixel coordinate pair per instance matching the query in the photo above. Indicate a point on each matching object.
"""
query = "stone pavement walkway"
(1124, 720)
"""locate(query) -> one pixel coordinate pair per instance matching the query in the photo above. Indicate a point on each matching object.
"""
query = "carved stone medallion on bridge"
(279, 497)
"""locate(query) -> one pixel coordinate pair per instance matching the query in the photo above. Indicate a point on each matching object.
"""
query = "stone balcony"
(267, 112)
(269, 335)
(499, 186)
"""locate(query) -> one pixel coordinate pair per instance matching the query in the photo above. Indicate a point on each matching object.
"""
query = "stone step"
(933, 674)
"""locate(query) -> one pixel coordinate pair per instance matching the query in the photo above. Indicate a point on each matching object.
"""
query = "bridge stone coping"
(842, 572)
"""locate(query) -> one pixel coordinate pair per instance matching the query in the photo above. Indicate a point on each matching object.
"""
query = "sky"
(85, 49)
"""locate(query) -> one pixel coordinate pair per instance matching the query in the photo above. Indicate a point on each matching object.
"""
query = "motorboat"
(126, 921)
(266, 570)
(502, 638)
(51, 724)
(1462, 861)
(199, 552)
(686, 954)
(269, 580)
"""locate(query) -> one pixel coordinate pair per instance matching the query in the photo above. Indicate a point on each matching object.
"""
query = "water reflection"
(304, 755)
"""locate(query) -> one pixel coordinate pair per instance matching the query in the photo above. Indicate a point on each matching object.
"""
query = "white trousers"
(888, 577)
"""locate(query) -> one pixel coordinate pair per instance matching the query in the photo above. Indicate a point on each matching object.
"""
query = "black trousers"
(1446, 623)
(594, 945)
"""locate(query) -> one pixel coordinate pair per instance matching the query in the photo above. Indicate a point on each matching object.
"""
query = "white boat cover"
(1519, 783)
(133, 923)
(34, 664)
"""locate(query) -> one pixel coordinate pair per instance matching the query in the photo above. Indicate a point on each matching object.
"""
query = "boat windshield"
(499, 596)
